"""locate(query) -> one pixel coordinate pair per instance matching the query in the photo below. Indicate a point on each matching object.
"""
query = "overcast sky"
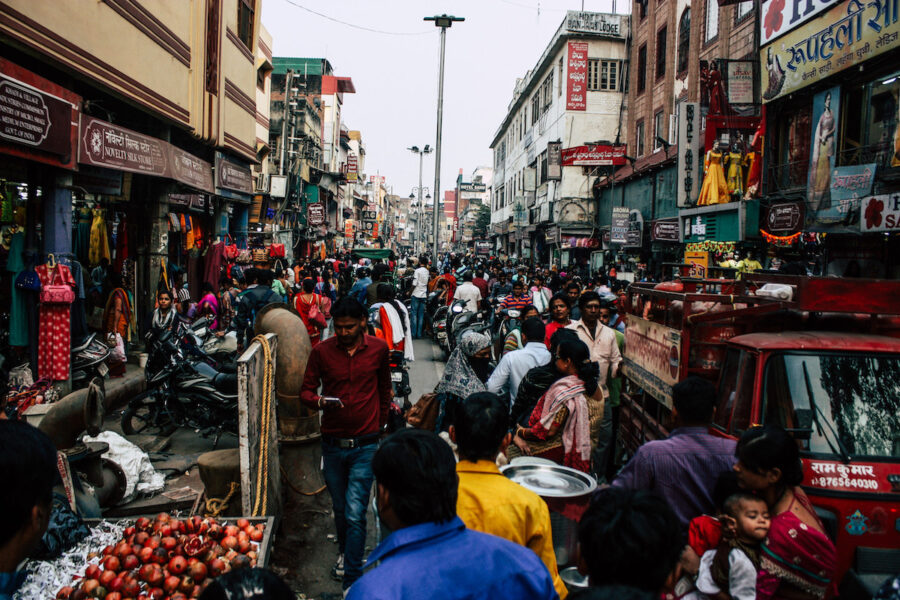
(395, 74)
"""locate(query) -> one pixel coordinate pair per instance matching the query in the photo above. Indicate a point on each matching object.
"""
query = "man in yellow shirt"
(487, 501)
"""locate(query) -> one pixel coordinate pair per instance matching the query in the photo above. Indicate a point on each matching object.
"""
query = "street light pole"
(420, 232)
(443, 21)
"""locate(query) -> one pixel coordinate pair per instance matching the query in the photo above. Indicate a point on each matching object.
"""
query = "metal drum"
(566, 491)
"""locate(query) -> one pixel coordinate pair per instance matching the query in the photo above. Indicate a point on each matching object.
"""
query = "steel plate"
(551, 481)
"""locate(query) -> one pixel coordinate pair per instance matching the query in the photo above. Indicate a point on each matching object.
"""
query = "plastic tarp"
(141, 477)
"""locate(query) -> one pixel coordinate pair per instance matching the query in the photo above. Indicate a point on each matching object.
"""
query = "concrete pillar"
(240, 223)
(154, 195)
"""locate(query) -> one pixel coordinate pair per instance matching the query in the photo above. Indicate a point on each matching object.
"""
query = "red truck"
(818, 356)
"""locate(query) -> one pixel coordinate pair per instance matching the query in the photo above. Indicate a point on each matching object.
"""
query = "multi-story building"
(542, 201)
(474, 196)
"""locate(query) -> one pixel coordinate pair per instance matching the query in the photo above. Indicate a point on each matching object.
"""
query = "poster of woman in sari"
(826, 108)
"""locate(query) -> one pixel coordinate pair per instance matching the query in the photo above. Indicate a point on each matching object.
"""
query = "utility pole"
(420, 229)
(443, 21)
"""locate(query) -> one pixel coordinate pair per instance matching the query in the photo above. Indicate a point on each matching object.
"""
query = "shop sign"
(352, 167)
(106, 145)
(688, 153)
(596, 23)
(482, 247)
(784, 218)
(369, 215)
(880, 213)
(652, 357)
(348, 228)
(278, 186)
(664, 230)
(233, 175)
(596, 155)
(576, 83)
(619, 225)
(778, 17)
(315, 214)
(699, 262)
(740, 81)
(554, 161)
(190, 170)
(472, 187)
(848, 34)
(852, 182)
(191, 201)
(634, 237)
(34, 118)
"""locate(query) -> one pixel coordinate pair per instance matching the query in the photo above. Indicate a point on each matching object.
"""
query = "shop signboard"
(472, 187)
(664, 230)
(191, 170)
(576, 72)
(315, 214)
(278, 186)
(233, 175)
(619, 225)
(348, 228)
(880, 213)
(688, 153)
(652, 357)
(106, 145)
(369, 215)
(595, 155)
(554, 161)
(845, 35)
(482, 247)
(778, 17)
(699, 262)
(352, 167)
(852, 182)
(740, 82)
(785, 218)
(33, 118)
(634, 237)
(595, 23)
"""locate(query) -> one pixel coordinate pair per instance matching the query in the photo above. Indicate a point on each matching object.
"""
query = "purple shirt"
(682, 469)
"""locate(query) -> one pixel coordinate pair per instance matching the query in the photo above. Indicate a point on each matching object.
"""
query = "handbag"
(57, 293)
(276, 251)
(244, 257)
(231, 249)
(424, 413)
(260, 255)
(28, 281)
(316, 316)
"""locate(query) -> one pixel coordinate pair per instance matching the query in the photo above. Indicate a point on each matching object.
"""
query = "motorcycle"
(479, 322)
(509, 319)
(89, 361)
(182, 393)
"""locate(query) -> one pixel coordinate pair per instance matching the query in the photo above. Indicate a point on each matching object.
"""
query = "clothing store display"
(121, 243)
(54, 338)
(18, 311)
(715, 189)
(213, 263)
(82, 241)
(99, 239)
(735, 178)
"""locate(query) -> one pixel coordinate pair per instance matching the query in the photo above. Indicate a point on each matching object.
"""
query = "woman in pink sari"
(209, 305)
(797, 558)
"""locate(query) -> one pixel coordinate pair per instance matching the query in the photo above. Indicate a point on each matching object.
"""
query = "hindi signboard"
(106, 145)
(576, 76)
(740, 82)
(652, 357)
(664, 230)
(233, 175)
(699, 262)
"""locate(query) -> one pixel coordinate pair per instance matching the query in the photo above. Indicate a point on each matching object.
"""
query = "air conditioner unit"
(262, 183)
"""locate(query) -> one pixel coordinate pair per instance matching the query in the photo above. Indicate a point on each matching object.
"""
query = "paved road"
(427, 369)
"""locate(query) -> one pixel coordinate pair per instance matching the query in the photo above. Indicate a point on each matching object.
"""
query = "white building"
(574, 95)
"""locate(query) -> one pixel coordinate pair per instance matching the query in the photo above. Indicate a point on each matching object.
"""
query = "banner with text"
(652, 357)
(576, 82)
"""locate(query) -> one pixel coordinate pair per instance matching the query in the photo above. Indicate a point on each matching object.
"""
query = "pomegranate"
(156, 577)
(107, 577)
(131, 588)
(165, 530)
(157, 593)
(243, 523)
(256, 535)
(123, 550)
(152, 541)
(198, 571)
(214, 533)
(130, 562)
(177, 565)
(146, 572)
(141, 537)
(240, 562)
(187, 585)
(92, 572)
(217, 566)
(231, 530)
(100, 592)
(163, 518)
(160, 556)
(143, 524)
(170, 584)
(146, 554)
(229, 542)
(113, 596)
(243, 546)
(90, 586)
(112, 563)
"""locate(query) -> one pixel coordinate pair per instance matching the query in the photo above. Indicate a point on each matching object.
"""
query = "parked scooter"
(89, 361)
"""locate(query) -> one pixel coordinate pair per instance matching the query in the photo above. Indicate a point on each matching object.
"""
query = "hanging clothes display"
(735, 179)
(213, 262)
(18, 310)
(754, 161)
(121, 243)
(54, 338)
(99, 239)
(714, 190)
(82, 236)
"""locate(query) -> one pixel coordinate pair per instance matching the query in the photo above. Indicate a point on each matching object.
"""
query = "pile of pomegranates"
(167, 558)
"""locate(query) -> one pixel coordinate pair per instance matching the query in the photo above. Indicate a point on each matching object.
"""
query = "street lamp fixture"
(421, 153)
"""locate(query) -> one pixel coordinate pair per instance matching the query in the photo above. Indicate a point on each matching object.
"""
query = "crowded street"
(609, 313)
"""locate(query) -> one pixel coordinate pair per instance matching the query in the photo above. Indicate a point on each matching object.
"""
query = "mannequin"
(715, 188)
(749, 264)
(728, 261)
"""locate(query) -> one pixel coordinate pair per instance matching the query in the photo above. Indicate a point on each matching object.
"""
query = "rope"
(298, 490)
(215, 506)
(262, 463)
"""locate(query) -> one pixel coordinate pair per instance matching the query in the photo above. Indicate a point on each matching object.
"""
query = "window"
(712, 20)
(742, 9)
(245, 22)
(609, 75)
(642, 68)
(658, 130)
(535, 107)
(560, 84)
(542, 167)
(639, 137)
(547, 94)
(593, 82)
(642, 7)
(684, 40)
(661, 53)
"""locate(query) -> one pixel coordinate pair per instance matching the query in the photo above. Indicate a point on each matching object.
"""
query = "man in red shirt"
(353, 371)
(480, 283)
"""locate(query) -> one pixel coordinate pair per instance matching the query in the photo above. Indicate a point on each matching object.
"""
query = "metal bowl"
(530, 460)
(551, 481)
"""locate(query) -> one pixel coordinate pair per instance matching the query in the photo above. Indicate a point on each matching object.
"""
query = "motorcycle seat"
(85, 342)
(223, 382)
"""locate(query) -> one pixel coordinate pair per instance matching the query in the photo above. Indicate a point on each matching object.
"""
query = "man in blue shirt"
(360, 288)
(431, 553)
(28, 464)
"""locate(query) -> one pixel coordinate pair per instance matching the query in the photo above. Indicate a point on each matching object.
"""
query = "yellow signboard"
(848, 34)
(699, 262)
(652, 357)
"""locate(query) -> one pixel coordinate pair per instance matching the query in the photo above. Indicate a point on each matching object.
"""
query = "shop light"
(889, 81)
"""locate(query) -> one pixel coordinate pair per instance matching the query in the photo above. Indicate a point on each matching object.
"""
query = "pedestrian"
(28, 464)
(208, 306)
(512, 367)
(257, 294)
(469, 292)
(359, 291)
(480, 282)
(419, 296)
(610, 317)
(352, 369)
(573, 291)
(372, 288)
(392, 321)
(487, 500)
(683, 469)
(466, 372)
(228, 300)
(310, 306)
(431, 554)
(559, 316)
(513, 340)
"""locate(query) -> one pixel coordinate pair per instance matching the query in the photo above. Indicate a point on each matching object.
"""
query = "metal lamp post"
(421, 232)
(444, 22)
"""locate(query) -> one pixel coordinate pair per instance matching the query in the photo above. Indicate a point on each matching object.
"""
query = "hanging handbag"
(57, 293)
(231, 249)
(244, 257)
(28, 281)
(260, 255)
(276, 251)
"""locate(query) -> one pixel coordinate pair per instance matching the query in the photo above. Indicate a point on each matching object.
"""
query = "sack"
(260, 255)
(28, 281)
(57, 293)
(244, 257)
(424, 413)
(276, 251)
(231, 249)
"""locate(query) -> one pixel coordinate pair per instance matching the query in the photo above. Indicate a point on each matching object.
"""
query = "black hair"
(533, 329)
(573, 284)
(327, 273)
(694, 399)
(528, 308)
(28, 464)
(264, 277)
(771, 447)
(732, 503)
(726, 486)
(562, 298)
(207, 288)
(630, 537)
(613, 592)
(580, 355)
(248, 584)
(308, 285)
(423, 261)
(481, 421)
(348, 307)
(385, 292)
(518, 281)
(479, 273)
(586, 297)
(224, 281)
(559, 336)
(164, 292)
(419, 470)
(467, 276)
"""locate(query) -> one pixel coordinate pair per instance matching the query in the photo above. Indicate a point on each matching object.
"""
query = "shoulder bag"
(424, 413)
(57, 293)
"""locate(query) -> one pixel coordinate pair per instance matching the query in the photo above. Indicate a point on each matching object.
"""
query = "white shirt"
(513, 367)
(603, 347)
(420, 282)
(470, 293)
(741, 576)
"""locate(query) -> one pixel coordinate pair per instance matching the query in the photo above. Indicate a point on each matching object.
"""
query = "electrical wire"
(360, 27)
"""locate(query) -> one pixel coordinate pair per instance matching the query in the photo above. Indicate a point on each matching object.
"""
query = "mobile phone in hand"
(331, 402)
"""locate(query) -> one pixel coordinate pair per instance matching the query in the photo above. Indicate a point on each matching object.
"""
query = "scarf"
(576, 432)
(161, 321)
(460, 379)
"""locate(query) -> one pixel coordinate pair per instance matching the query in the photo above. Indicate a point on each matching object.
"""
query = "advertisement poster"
(554, 161)
(652, 357)
(576, 72)
(699, 262)
(352, 167)
(823, 144)
(849, 33)
(880, 213)
(619, 228)
(740, 82)
(848, 185)
(778, 17)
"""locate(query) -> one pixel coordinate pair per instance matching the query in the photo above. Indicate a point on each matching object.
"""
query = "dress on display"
(18, 310)
(714, 190)
(99, 239)
(121, 244)
(54, 338)
(735, 174)
(82, 234)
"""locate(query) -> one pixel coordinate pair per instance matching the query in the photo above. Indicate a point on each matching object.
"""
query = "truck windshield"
(836, 403)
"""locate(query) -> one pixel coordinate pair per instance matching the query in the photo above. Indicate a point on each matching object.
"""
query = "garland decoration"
(778, 240)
